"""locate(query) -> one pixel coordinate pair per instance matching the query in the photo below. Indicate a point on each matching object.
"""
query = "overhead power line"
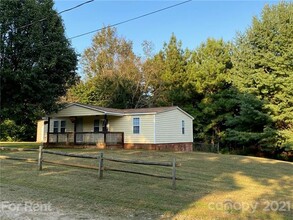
(66, 10)
(77, 6)
(131, 19)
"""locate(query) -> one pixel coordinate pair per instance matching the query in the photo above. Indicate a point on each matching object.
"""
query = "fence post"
(40, 159)
(101, 165)
(174, 173)
(218, 147)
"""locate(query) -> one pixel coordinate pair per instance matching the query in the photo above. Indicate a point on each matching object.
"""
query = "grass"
(214, 186)
(19, 144)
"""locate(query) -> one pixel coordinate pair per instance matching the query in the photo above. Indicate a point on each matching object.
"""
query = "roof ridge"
(129, 110)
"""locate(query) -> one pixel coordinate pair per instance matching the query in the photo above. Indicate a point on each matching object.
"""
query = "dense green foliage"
(36, 60)
(10, 131)
(240, 94)
(263, 65)
(112, 72)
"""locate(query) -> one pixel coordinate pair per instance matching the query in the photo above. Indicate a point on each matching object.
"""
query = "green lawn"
(211, 183)
(20, 144)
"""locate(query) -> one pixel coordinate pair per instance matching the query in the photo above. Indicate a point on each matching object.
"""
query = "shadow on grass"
(214, 186)
(240, 187)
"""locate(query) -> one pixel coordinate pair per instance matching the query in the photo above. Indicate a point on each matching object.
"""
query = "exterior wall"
(76, 111)
(164, 147)
(124, 124)
(40, 131)
(169, 130)
(161, 131)
(88, 124)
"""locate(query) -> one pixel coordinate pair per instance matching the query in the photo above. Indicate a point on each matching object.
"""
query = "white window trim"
(139, 128)
(61, 125)
(58, 126)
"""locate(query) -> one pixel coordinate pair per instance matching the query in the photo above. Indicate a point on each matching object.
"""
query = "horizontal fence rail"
(70, 154)
(18, 149)
(70, 165)
(18, 158)
(166, 164)
(101, 168)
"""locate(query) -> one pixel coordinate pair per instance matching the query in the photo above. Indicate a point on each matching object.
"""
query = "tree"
(263, 60)
(174, 72)
(167, 70)
(155, 85)
(36, 60)
(108, 54)
(222, 113)
(112, 70)
(249, 124)
(208, 82)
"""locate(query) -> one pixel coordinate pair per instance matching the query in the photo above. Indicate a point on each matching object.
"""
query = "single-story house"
(161, 128)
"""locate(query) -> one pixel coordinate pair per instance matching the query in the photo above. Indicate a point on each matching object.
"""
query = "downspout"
(105, 129)
(48, 131)
(74, 132)
(155, 129)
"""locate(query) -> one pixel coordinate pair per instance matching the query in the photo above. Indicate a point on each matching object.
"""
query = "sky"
(192, 22)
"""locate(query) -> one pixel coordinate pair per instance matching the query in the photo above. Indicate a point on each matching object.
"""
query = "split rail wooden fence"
(100, 168)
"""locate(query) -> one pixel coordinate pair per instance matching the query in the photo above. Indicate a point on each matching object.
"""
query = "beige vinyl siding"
(169, 127)
(40, 131)
(88, 124)
(76, 111)
(125, 124)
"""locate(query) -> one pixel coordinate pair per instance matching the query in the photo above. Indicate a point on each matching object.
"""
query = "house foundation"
(165, 147)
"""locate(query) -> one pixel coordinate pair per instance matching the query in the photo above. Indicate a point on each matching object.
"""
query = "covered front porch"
(72, 126)
(100, 139)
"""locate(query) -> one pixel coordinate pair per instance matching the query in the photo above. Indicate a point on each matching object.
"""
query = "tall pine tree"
(263, 62)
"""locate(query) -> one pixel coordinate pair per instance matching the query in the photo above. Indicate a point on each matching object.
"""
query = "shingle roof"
(103, 109)
(150, 110)
(129, 111)
(121, 112)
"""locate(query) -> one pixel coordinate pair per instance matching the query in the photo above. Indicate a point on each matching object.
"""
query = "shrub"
(9, 131)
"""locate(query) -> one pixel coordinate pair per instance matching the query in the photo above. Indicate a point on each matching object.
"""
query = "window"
(136, 126)
(63, 126)
(96, 125)
(56, 126)
(183, 127)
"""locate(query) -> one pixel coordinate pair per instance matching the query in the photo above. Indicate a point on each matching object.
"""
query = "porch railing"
(112, 138)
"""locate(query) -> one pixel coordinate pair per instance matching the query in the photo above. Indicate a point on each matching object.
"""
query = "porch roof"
(78, 109)
(133, 111)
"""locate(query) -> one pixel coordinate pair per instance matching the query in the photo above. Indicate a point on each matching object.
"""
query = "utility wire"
(131, 19)
(77, 6)
(66, 10)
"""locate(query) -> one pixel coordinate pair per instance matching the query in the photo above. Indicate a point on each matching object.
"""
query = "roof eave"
(185, 113)
(97, 109)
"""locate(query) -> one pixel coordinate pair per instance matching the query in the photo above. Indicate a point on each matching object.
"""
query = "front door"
(79, 128)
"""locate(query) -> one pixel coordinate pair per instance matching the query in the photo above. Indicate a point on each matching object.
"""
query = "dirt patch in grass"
(30, 210)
